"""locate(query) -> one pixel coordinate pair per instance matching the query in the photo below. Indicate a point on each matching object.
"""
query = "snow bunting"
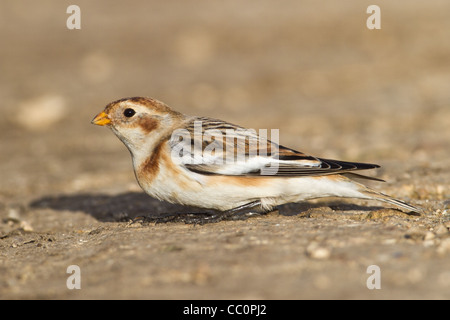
(214, 164)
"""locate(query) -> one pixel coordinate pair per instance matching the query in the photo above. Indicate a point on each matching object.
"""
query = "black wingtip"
(346, 165)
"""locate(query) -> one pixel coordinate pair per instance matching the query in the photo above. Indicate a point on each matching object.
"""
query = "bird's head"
(138, 122)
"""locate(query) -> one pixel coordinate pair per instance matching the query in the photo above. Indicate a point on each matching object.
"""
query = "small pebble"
(416, 233)
(429, 236)
(444, 247)
(317, 252)
(441, 230)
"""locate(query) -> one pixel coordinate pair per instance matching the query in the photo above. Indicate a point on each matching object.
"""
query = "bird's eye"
(129, 113)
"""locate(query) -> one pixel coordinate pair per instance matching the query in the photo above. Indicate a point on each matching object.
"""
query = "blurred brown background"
(312, 69)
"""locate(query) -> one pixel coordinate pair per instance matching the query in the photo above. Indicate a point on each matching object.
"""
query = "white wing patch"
(217, 149)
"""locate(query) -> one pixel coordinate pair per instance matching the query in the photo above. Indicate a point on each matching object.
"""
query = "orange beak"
(101, 119)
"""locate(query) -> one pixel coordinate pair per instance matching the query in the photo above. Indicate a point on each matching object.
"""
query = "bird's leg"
(169, 217)
(245, 210)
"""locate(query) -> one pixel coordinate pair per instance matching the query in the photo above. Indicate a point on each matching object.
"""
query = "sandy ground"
(312, 69)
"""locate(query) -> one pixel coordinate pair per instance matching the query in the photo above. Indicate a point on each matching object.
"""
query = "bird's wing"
(214, 147)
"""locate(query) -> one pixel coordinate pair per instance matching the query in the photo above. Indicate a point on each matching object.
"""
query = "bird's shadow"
(108, 208)
(129, 205)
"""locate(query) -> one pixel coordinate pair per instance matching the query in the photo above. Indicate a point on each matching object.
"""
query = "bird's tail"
(375, 195)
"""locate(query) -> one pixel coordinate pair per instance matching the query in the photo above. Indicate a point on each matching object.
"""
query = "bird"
(216, 165)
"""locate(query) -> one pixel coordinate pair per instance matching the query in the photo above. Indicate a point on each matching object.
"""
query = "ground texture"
(334, 88)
